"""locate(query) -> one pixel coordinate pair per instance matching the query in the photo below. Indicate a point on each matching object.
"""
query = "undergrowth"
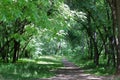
(88, 66)
(30, 69)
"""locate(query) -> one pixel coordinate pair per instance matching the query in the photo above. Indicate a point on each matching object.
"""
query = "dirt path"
(72, 72)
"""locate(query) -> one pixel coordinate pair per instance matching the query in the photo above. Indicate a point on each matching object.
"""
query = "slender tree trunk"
(91, 48)
(96, 54)
(16, 51)
(115, 7)
(90, 44)
(118, 25)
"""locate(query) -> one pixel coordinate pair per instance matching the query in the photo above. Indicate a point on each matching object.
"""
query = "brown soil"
(72, 72)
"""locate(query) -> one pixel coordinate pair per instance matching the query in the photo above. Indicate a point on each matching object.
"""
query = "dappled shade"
(36, 34)
(27, 69)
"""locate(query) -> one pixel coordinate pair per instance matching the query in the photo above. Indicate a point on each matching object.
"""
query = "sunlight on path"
(72, 72)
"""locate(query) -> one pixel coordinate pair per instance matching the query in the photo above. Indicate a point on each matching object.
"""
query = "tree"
(15, 18)
(114, 4)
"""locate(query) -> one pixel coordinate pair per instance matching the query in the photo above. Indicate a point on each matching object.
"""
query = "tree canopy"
(87, 28)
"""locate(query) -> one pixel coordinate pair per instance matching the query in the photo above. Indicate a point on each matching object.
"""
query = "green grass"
(101, 70)
(89, 67)
(29, 69)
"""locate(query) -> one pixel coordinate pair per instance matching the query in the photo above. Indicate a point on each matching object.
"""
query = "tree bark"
(115, 7)
(16, 51)
(118, 25)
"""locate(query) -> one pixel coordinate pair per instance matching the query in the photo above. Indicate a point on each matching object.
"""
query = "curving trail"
(72, 72)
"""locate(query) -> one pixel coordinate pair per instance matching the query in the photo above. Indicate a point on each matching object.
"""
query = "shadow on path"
(72, 72)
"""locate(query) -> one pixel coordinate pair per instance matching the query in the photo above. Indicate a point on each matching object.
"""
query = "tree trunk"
(115, 6)
(96, 54)
(91, 48)
(118, 25)
(16, 51)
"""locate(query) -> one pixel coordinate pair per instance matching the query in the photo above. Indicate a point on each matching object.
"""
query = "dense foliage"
(87, 28)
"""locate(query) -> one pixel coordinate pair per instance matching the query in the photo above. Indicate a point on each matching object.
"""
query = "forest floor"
(72, 72)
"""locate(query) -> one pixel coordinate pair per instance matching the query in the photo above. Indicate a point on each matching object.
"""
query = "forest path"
(72, 72)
